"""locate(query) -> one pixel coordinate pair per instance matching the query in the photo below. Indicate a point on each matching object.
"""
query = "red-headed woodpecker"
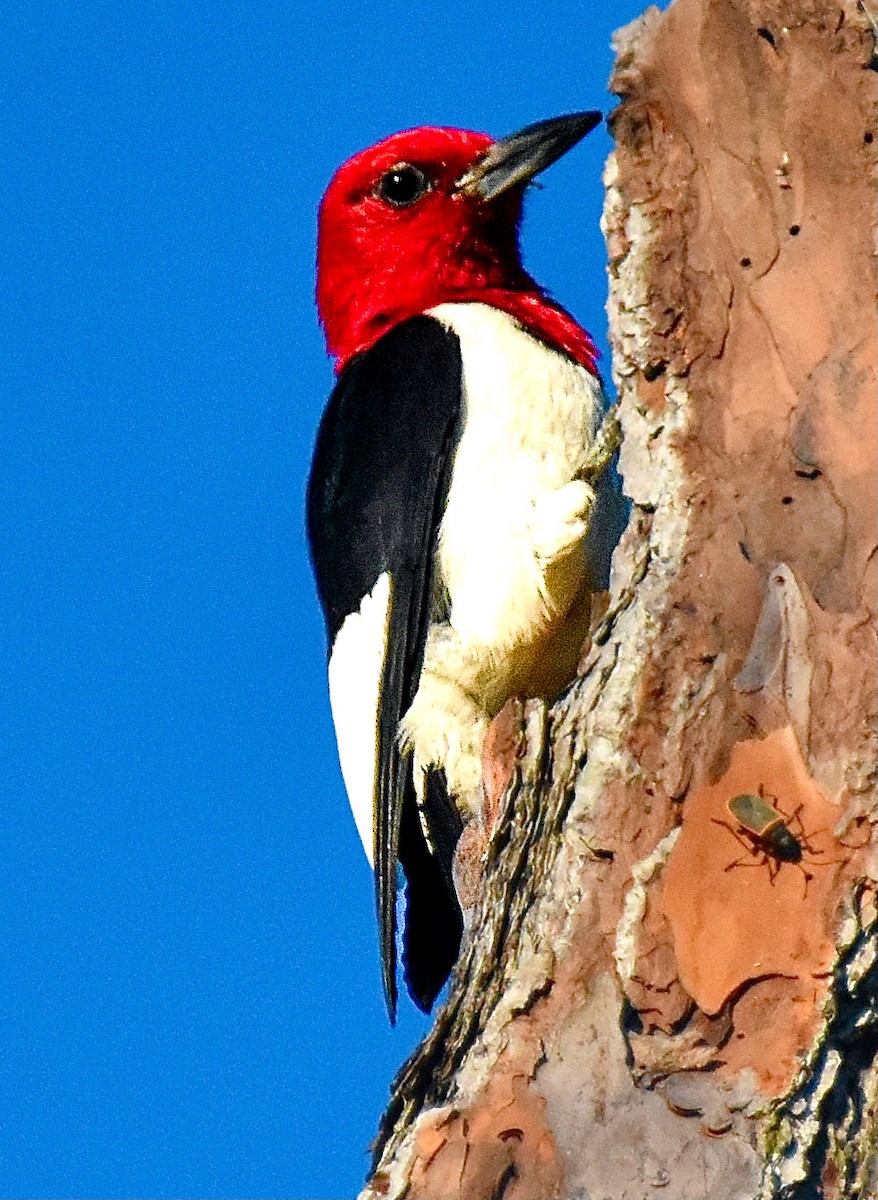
(452, 496)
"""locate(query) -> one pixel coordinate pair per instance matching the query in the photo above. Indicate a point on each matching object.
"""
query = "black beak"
(521, 156)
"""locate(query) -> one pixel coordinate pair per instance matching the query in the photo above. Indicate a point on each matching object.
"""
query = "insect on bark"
(764, 832)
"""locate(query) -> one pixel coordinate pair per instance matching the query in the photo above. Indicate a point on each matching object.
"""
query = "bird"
(458, 508)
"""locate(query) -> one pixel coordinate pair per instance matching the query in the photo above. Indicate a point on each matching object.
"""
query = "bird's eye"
(402, 185)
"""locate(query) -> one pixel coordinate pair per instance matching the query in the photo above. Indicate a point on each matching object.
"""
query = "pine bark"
(648, 1004)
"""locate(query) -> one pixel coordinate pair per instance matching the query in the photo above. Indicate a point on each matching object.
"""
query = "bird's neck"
(546, 320)
(353, 327)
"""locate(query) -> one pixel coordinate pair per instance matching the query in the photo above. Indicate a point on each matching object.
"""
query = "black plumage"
(377, 490)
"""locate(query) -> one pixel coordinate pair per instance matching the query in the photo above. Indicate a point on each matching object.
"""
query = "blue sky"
(190, 1000)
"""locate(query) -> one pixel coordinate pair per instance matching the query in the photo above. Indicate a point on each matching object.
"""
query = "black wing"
(376, 494)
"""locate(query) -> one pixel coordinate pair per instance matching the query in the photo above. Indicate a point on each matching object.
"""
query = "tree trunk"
(656, 997)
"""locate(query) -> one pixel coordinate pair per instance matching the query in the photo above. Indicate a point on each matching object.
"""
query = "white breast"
(530, 414)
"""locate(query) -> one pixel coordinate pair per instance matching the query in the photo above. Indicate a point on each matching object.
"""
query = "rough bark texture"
(646, 1005)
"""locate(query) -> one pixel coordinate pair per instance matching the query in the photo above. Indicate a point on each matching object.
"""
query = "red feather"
(378, 265)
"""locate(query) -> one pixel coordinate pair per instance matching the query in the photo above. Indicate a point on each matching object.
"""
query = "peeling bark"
(649, 1001)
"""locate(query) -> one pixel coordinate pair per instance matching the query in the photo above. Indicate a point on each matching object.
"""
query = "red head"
(431, 215)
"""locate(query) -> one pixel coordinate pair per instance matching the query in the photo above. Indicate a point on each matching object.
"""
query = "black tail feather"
(433, 924)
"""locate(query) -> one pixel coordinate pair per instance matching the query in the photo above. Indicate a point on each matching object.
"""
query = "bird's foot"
(607, 441)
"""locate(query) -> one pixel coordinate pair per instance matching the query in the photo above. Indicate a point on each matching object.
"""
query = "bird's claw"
(607, 441)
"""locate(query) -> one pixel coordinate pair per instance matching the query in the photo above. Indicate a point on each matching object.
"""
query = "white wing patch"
(356, 666)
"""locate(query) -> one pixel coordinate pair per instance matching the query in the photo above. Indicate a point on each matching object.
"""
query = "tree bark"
(651, 1001)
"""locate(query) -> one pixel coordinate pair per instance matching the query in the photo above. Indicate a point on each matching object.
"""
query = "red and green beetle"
(764, 829)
